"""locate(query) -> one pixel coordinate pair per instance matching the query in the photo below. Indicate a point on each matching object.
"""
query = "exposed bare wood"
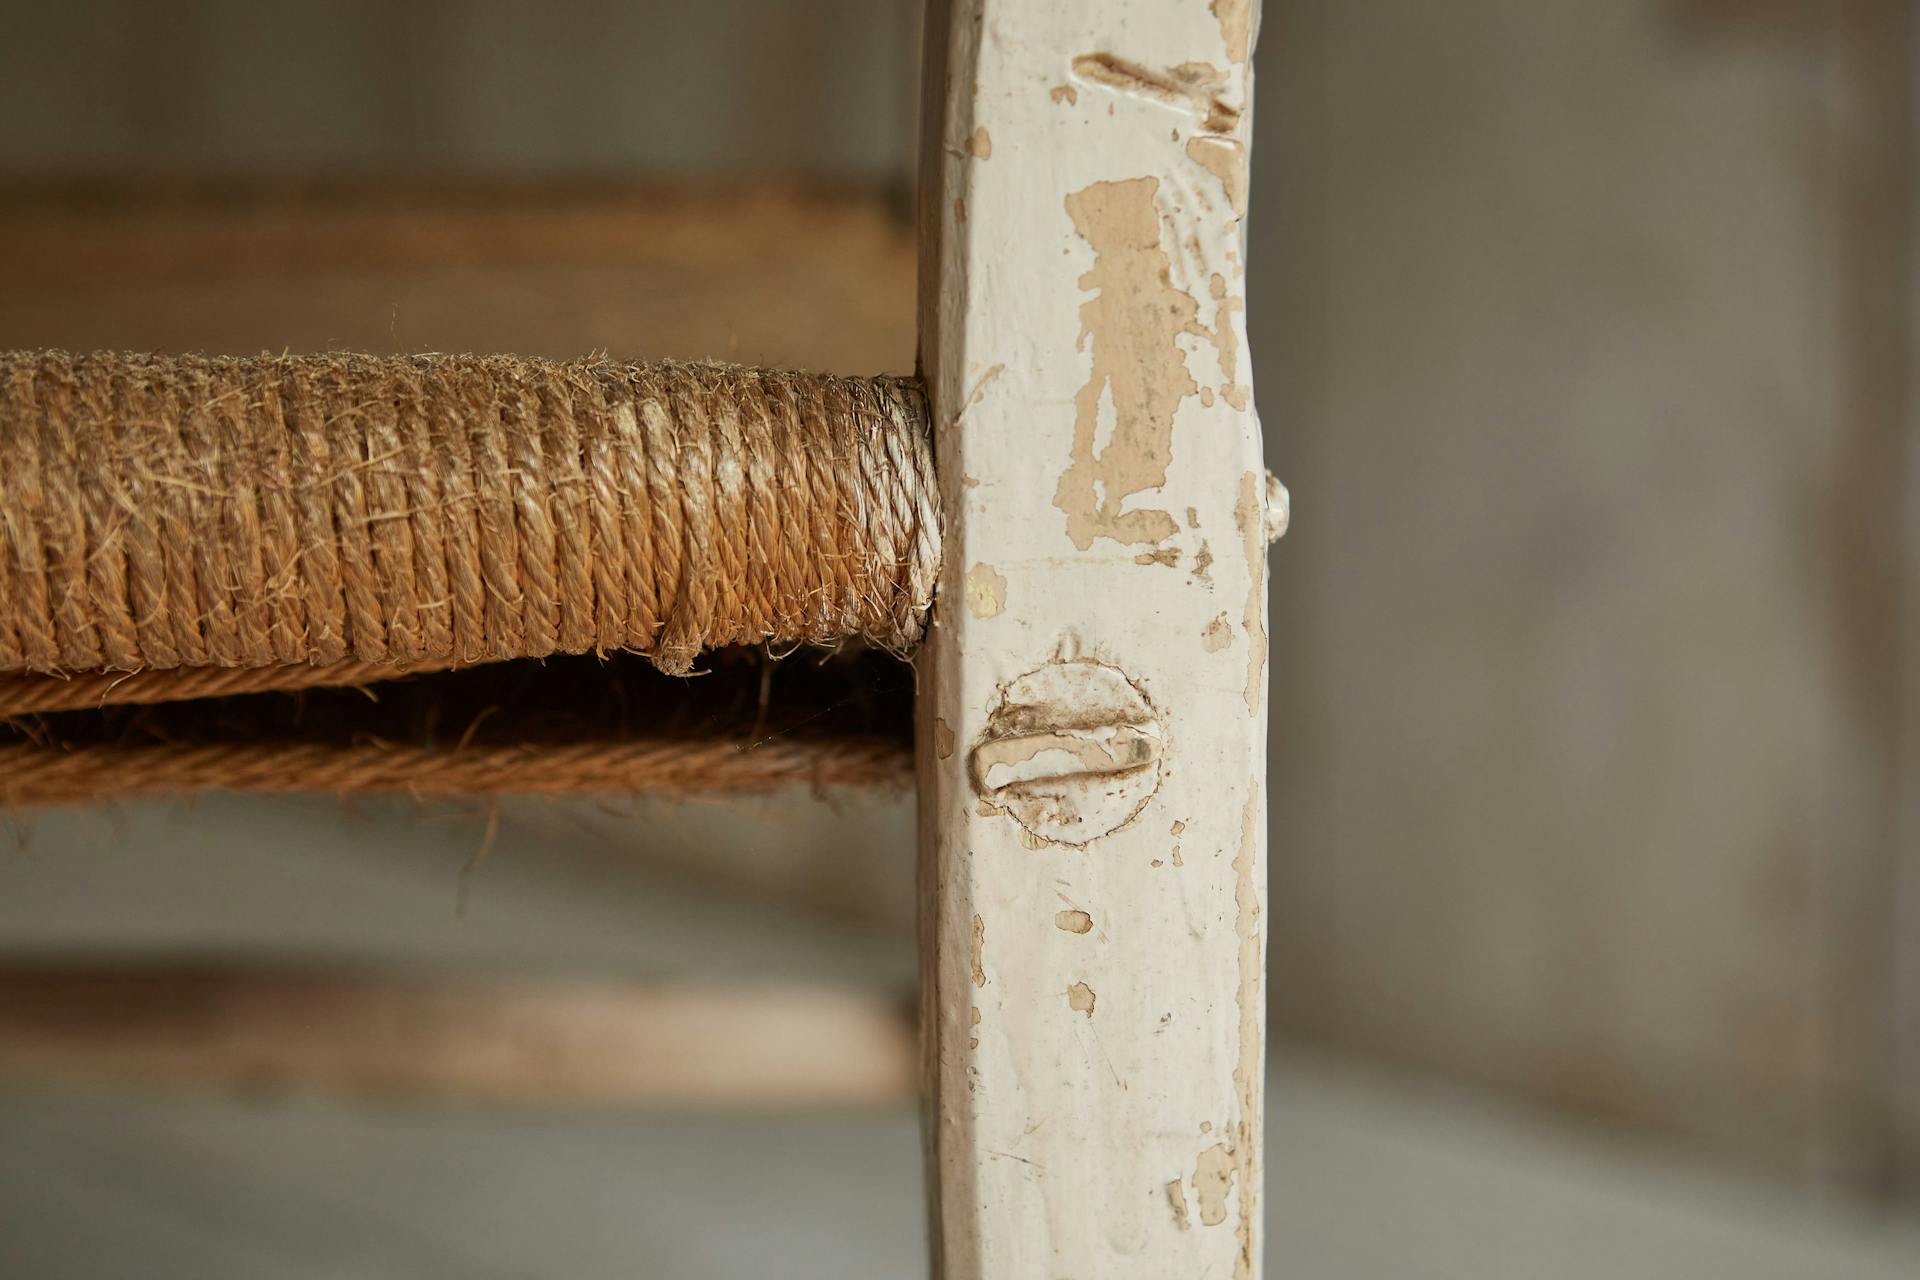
(583, 1041)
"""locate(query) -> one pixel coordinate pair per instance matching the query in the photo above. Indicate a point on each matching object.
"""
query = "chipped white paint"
(1070, 752)
(1095, 1091)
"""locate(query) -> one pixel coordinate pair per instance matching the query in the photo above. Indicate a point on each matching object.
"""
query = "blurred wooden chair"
(1062, 516)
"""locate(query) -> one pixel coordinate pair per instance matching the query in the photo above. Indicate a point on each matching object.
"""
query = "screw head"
(1071, 752)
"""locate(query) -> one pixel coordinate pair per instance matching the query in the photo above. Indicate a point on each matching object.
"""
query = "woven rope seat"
(186, 543)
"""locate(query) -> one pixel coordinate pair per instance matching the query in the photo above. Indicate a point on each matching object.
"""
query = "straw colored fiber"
(32, 776)
(301, 511)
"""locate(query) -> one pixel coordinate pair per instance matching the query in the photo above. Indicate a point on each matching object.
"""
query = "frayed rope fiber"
(193, 512)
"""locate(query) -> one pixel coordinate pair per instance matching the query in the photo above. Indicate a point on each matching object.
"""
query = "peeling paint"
(1139, 372)
(1166, 557)
(986, 591)
(1236, 26)
(1213, 1182)
(979, 952)
(1177, 1197)
(942, 739)
(1081, 997)
(1065, 93)
(1191, 88)
(1073, 921)
(980, 145)
(1250, 999)
(979, 392)
(1203, 562)
(1226, 160)
(1193, 517)
(1249, 516)
(1225, 343)
(959, 208)
(1216, 636)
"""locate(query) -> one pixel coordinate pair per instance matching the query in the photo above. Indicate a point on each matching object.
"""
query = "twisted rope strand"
(31, 776)
(202, 512)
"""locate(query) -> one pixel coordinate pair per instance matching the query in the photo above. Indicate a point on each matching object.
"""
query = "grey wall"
(1584, 349)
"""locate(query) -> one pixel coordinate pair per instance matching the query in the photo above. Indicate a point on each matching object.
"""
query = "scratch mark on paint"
(1226, 160)
(979, 391)
(1008, 1155)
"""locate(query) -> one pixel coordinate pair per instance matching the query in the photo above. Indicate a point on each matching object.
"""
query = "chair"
(1062, 518)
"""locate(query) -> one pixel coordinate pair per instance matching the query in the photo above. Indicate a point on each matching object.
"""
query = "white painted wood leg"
(1093, 692)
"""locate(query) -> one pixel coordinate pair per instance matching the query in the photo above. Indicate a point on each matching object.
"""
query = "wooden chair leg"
(1093, 691)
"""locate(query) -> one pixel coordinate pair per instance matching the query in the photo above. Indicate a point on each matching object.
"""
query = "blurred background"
(1584, 339)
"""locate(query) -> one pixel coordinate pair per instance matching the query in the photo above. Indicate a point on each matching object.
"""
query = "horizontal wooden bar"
(763, 273)
(597, 1041)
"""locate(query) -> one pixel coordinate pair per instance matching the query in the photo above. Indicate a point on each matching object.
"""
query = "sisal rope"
(29, 693)
(35, 776)
(320, 511)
